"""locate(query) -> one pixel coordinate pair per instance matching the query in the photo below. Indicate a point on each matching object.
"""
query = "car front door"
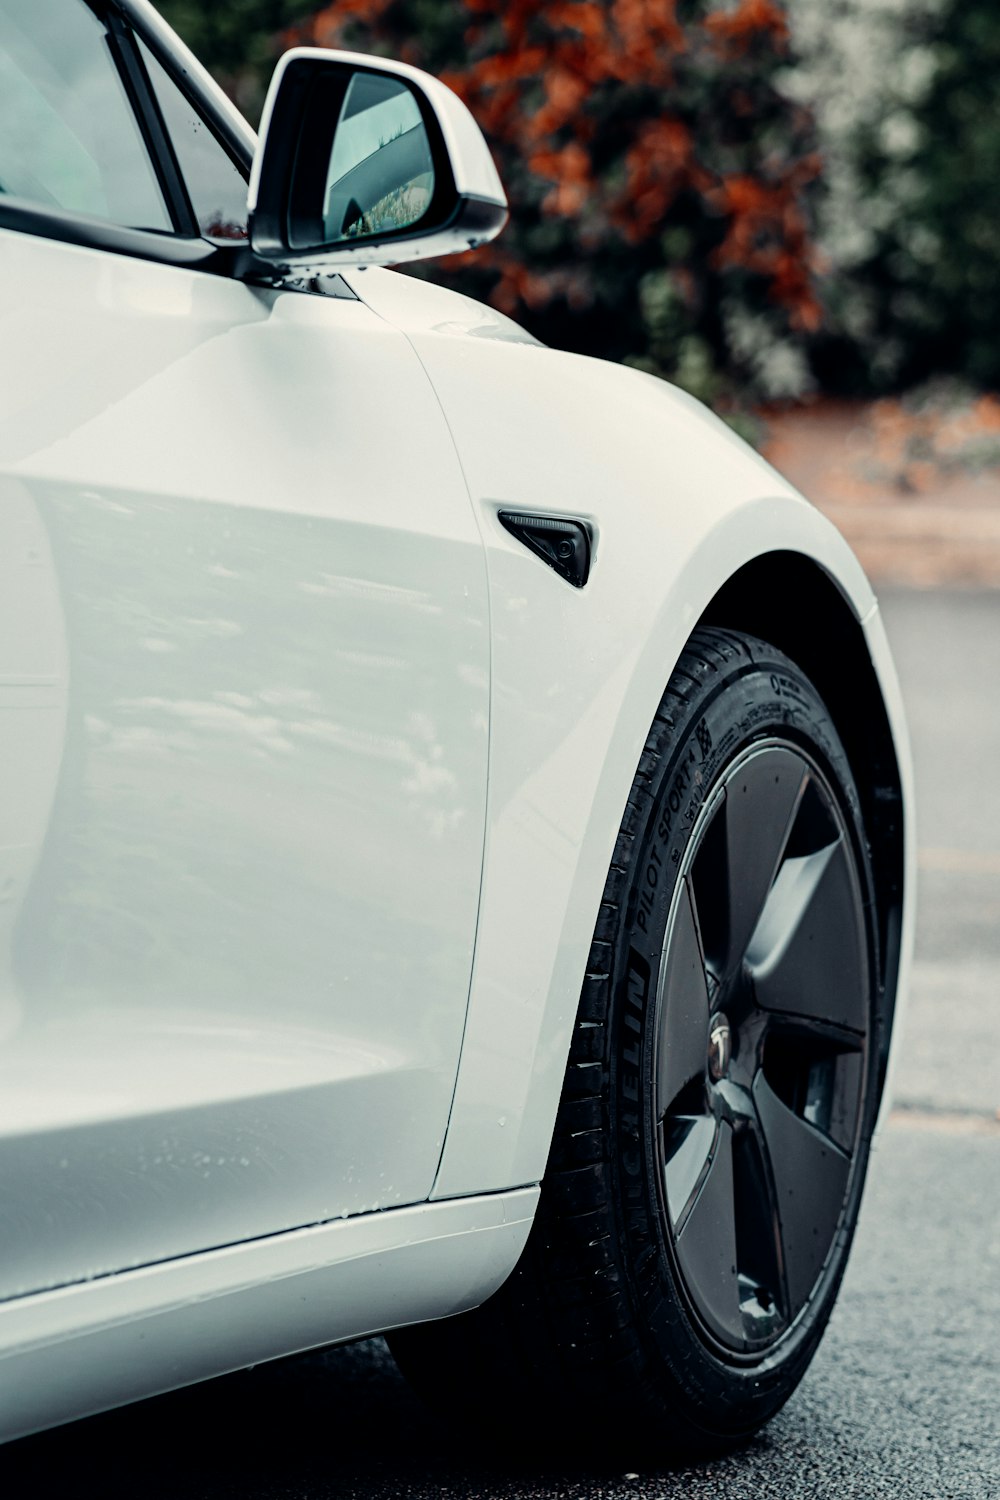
(244, 702)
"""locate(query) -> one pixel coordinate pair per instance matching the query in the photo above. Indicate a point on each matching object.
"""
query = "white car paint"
(81, 1349)
(272, 635)
(261, 626)
(577, 676)
(472, 167)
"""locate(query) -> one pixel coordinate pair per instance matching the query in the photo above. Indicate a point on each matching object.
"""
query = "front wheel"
(711, 1144)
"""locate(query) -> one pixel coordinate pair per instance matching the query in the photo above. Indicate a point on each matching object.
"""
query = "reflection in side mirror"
(367, 162)
(381, 174)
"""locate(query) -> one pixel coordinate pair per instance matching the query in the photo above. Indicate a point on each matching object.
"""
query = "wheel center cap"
(720, 1046)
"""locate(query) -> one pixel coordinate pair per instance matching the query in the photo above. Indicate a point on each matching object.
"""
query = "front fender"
(677, 506)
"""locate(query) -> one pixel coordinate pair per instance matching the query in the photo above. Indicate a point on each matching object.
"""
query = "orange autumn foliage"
(626, 133)
(751, 19)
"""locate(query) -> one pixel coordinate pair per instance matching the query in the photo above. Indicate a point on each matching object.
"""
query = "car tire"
(707, 1164)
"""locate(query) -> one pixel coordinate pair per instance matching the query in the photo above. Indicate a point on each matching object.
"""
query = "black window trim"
(145, 107)
(184, 246)
(102, 234)
(217, 125)
(231, 141)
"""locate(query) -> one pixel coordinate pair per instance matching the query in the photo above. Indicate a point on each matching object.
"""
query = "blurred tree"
(237, 40)
(934, 272)
(659, 181)
(863, 68)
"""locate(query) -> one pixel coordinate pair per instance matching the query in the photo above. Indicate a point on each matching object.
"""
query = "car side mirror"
(364, 162)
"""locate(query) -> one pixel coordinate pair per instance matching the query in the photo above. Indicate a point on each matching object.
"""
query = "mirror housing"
(365, 162)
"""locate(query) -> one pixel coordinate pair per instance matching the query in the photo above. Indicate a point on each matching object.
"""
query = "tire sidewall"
(752, 699)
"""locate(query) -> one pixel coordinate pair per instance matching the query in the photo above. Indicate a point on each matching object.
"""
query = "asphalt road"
(947, 648)
(903, 1399)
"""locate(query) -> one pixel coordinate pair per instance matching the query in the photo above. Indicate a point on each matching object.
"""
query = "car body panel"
(296, 743)
(677, 505)
(228, 1011)
(70, 1353)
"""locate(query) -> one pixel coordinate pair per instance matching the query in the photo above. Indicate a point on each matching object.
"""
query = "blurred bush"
(907, 99)
(659, 181)
(756, 198)
(933, 276)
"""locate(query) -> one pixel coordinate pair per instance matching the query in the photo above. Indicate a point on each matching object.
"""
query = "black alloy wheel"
(710, 1149)
(761, 1046)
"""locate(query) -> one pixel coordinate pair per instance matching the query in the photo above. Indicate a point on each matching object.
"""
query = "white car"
(454, 850)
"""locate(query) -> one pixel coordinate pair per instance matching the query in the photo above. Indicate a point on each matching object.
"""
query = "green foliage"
(935, 271)
(906, 94)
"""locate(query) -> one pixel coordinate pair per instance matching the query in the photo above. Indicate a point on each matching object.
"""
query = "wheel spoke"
(810, 1176)
(689, 1145)
(682, 1006)
(742, 850)
(807, 953)
(763, 1017)
(758, 1236)
(706, 1245)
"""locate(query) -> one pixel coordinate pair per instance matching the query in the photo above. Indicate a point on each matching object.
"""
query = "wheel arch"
(789, 600)
(683, 517)
(761, 561)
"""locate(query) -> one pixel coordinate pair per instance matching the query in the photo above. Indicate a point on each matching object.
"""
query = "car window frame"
(183, 245)
(149, 119)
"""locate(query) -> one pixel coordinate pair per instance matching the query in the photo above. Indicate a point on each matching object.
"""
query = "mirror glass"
(380, 175)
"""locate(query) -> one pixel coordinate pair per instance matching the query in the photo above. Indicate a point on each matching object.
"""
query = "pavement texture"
(947, 649)
(916, 493)
(903, 1398)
